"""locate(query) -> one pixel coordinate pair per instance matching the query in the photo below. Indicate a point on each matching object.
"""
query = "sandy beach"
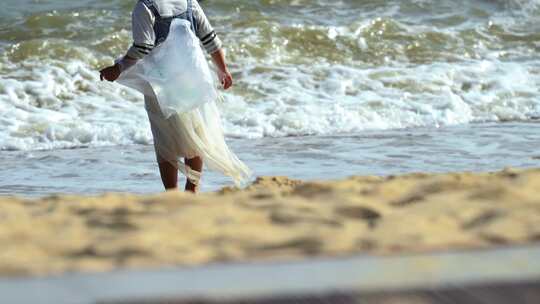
(276, 218)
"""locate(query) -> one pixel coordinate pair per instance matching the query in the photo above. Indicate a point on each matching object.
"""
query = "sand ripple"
(275, 218)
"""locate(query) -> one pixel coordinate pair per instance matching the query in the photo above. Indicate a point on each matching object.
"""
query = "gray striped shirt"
(143, 26)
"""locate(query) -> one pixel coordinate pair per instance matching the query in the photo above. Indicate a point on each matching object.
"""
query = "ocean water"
(132, 168)
(355, 78)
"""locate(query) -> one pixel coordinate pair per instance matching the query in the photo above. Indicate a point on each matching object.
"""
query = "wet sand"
(274, 219)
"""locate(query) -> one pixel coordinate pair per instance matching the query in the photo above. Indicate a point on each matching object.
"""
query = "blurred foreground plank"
(505, 275)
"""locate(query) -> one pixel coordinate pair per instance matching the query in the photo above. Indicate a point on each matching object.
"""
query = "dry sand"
(275, 218)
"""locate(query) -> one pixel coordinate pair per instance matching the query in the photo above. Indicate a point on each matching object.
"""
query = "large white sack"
(175, 72)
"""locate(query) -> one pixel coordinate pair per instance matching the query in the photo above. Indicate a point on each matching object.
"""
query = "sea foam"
(380, 66)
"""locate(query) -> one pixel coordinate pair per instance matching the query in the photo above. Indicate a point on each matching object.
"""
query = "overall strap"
(190, 17)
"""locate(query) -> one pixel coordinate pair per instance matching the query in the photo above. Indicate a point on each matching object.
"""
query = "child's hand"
(110, 73)
(225, 78)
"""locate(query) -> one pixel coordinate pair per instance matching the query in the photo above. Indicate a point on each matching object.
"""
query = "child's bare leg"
(195, 164)
(169, 175)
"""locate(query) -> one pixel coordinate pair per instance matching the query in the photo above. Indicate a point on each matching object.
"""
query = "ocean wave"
(62, 105)
(373, 65)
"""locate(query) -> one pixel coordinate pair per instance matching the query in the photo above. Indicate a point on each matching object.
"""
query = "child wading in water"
(196, 135)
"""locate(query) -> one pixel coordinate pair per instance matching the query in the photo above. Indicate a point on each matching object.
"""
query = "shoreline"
(275, 219)
(133, 169)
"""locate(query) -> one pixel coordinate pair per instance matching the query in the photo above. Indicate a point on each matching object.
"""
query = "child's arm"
(143, 42)
(211, 44)
(218, 57)
(113, 72)
(205, 32)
